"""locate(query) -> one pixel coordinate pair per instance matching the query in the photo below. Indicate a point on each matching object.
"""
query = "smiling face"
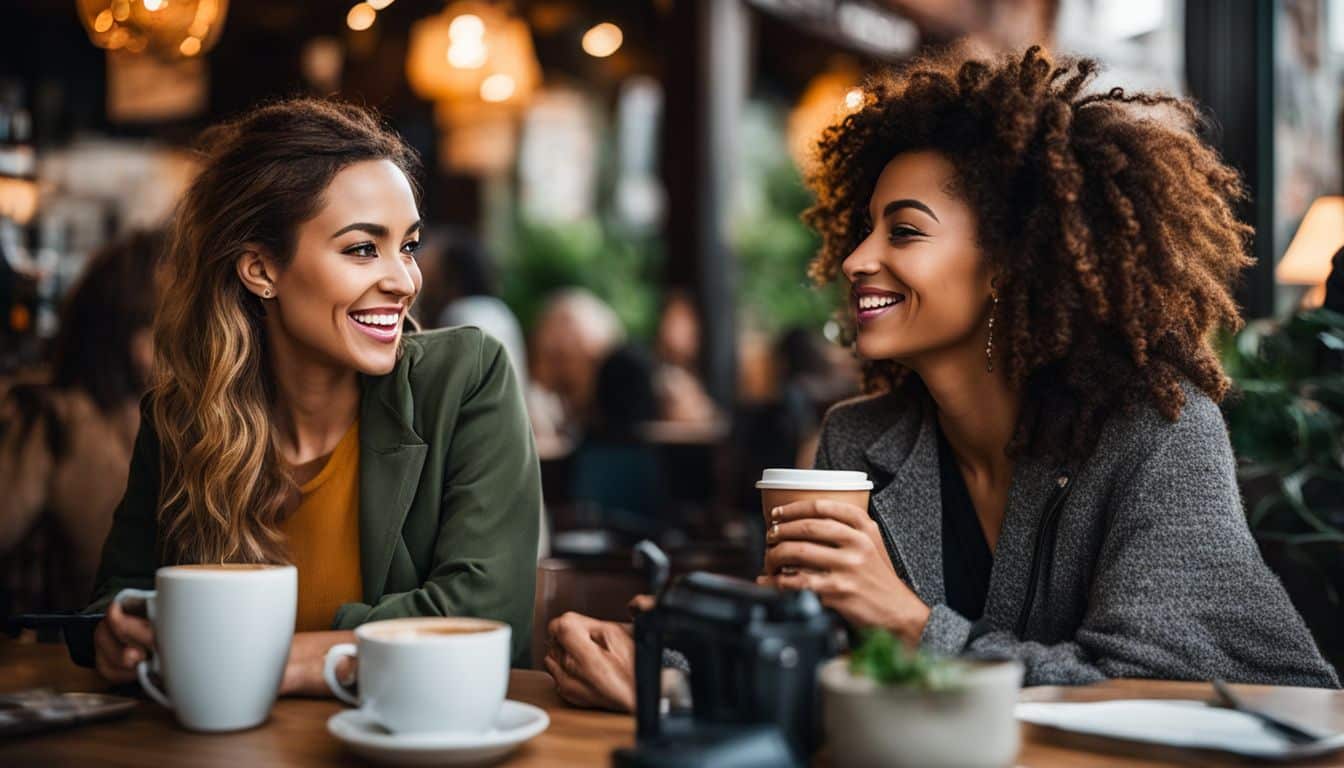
(344, 295)
(919, 282)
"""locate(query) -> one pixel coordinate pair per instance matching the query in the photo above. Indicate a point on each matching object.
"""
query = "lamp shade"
(472, 52)
(170, 29)
(1321, 233)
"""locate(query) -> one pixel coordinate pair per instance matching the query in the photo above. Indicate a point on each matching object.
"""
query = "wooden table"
(296, 734)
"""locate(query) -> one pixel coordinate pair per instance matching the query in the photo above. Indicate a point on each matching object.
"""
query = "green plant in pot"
(1286, 421)
(897, 707)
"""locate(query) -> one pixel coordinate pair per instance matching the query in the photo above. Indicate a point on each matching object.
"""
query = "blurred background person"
(616, 473)
(471, 289)
(66, 434)
(681, 394)
(573, 334)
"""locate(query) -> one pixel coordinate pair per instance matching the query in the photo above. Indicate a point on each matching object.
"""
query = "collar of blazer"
(391, 456)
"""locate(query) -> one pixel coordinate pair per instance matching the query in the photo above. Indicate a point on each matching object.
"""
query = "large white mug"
(427, 674)
(221, 641)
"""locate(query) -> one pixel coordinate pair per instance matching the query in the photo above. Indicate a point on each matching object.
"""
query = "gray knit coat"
(1149, 569)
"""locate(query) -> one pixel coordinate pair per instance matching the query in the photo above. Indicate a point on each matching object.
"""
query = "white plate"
(516, 723)
(1175, 723)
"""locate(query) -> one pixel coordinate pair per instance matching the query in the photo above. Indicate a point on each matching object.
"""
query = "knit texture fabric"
(1154, 572)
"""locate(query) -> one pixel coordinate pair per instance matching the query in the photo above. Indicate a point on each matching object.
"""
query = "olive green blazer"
(449, 493)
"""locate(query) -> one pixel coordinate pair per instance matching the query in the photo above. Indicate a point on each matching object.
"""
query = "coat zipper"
(1048, 528)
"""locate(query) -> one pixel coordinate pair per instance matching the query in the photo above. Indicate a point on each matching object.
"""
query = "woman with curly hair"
(293, 419)
(1035, 273)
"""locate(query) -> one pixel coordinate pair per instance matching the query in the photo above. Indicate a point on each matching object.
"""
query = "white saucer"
(516, 723)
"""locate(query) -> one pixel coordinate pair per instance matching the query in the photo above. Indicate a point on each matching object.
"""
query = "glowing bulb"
(153, 5)
(854, 99)
(360, 17)
(467, 54)
(121, 10)
(103, 21)
(466, 27)
(379, 5)
(190, 47)
(602, 40)
(497, 87)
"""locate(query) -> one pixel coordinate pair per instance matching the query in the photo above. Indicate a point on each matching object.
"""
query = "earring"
(267, 294)
(989, 345)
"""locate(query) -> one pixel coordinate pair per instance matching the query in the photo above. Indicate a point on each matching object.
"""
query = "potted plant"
(887, 705)
(1286, 422)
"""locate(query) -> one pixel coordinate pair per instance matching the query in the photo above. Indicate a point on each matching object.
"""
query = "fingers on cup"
(817, 582)
(806, 555)
(815, 529)
(829, 509)
(128, 629)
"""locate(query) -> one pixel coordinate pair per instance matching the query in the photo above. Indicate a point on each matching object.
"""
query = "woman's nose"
(861, 262)
(398, 279)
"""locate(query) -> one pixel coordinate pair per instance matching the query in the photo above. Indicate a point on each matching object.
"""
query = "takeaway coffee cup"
(785, 486)
(428, 674)
(221, 640)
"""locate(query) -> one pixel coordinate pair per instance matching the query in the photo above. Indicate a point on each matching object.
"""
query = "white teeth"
(379, 319)
(875, 302)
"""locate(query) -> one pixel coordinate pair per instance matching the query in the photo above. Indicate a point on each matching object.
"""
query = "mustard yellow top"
(323, 538)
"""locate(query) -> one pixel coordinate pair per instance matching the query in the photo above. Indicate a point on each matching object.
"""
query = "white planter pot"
(871, 724)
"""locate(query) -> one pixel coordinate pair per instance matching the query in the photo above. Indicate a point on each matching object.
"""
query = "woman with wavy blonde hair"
(292, 420)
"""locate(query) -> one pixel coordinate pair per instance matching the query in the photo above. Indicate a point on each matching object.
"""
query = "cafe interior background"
(623, 178)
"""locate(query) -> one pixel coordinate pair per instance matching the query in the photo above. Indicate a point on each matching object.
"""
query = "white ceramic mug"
(221, 640)
(427, 674)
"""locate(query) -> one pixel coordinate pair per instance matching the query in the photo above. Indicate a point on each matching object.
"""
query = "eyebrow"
(377, 230)
(896, 205)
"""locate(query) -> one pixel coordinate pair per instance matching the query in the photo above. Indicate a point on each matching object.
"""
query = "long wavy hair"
(223, 484)
(1111, 225)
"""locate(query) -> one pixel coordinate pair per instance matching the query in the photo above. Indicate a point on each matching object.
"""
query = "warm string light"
(467, 49)
(497, 88)
(180, 28)
(603, 40)
(360, 17)
(472, 52)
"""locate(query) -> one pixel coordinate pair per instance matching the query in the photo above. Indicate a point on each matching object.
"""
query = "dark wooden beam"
(1229, 64)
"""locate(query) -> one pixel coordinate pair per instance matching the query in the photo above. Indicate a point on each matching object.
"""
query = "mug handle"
(146, 666)
(334, 656)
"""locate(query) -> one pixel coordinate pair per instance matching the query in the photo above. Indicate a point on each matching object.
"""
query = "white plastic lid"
(813, 480)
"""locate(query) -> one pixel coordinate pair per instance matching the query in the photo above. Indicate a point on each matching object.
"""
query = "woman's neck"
(315, 402)
(977, 410)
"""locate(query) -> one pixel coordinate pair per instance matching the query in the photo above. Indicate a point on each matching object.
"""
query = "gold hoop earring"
(989, 345)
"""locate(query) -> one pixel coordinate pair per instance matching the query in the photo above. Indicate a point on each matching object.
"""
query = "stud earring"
(989, 345)
(267, 294)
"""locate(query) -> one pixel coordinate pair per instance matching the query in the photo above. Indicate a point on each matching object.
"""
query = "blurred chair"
(594, 586)
(600, 585)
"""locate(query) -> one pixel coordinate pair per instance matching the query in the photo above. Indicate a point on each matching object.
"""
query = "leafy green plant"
(1286, 421)
(884, 658)
(619, 265)
(771, 243)
(773, 247)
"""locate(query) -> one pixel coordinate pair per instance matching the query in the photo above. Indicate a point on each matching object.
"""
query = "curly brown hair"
(1110, 224)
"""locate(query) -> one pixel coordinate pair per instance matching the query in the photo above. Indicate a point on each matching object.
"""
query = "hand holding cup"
(835, 550)
(781, 487)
